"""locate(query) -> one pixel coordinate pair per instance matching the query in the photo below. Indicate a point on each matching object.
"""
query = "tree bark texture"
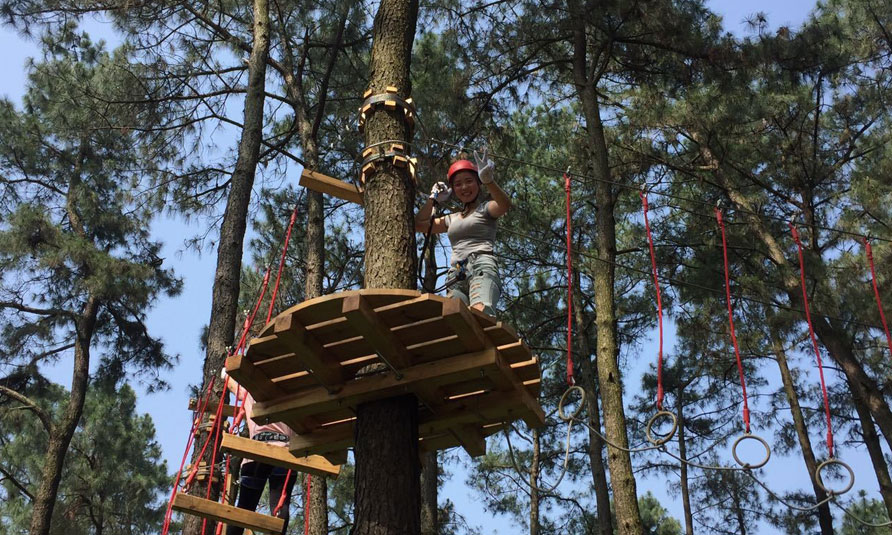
(825, 519)
(585, 373)
(609, 380)
(387, 489)
(387, 494)
(63, 430)
(224, 303)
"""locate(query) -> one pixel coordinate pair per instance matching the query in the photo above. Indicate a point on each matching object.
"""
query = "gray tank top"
(475, 233)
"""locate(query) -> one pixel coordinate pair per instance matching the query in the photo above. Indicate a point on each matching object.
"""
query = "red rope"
(282, 496)
(653, 263)
(272, 299)
(876, 292)
(569, 285)
(746, 409)
(814, 341)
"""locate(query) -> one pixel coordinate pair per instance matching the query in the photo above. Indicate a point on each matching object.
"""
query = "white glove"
(485, 167)
(223, 373)
(440, 192)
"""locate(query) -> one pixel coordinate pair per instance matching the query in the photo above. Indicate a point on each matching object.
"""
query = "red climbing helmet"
(460, 165)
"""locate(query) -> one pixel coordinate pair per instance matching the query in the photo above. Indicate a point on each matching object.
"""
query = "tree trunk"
(62, 432)
(224, 303)
(386, 447)
(825, 519)
(585, 377)
(683, 453)
(429, 472)
(621, 475)
(534, 485)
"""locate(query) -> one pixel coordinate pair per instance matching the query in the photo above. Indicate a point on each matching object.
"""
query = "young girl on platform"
(474, 273)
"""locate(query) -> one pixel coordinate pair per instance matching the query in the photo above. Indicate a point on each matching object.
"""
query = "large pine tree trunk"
(62, 432)
(825, 519)
(224, 303)
(585, 377)
(610, 385)
(386, 447)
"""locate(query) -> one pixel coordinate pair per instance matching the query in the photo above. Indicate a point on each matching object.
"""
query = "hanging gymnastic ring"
(750, 436)
(820, 482)
(662, 439)
(567, 417)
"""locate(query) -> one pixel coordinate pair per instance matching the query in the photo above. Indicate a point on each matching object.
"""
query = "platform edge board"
(316, 181)
(277, 456)
(464, 324)
(229, 514)
(375, 387)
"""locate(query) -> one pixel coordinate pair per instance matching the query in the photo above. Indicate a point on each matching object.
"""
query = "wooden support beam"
(506, 380)
(471, 439)
(229, 514)
(367, 323)
(277, 456)
(316, 401)
(247, 375)
(332, 186)
(308, 350)
(211, 408)
(464, 324)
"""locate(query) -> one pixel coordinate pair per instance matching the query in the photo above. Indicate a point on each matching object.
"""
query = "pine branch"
(30, 405)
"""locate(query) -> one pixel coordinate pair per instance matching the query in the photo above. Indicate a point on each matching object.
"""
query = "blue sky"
(179, 320)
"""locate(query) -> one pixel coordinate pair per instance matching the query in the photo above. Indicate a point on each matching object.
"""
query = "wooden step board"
(468, 370)
(332, 186)
(228, 514)
(278, 456)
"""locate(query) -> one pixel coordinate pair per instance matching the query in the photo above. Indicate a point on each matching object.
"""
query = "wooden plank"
(506, 380)
(229, 514)
(324, 440)
(366, 322)
(211, 408)
(325, 184)
(258, 384)
(277, 456)
(471, 439)
(464, 324)
(318, 401)
(309, 351)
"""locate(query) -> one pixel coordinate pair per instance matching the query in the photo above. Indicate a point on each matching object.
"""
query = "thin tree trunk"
(683, 453)
(621, 475)
(224, 303)
(62, 432)
(429, 471)
(585, 376)
(825, 519)
(534, 485)
(386, 447)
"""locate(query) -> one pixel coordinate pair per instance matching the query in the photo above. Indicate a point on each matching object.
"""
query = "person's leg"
(484, 285)
(251, 482)
(276, 485)
(460, 288)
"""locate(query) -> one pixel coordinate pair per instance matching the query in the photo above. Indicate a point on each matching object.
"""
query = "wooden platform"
(229, 514)
(470, 372)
